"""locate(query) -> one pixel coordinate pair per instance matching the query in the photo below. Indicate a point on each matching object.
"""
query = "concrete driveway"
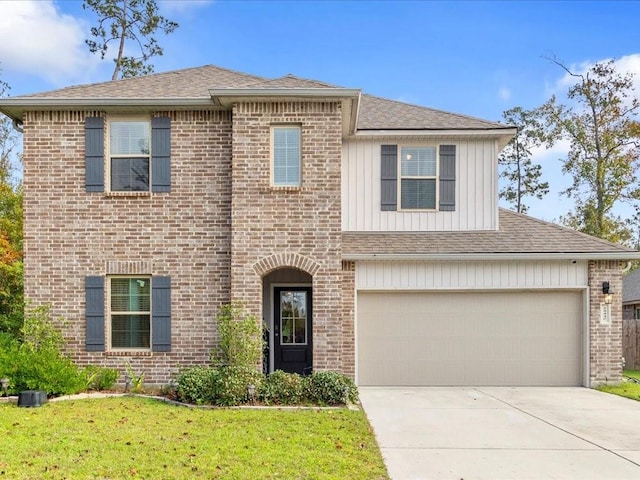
(504, 433)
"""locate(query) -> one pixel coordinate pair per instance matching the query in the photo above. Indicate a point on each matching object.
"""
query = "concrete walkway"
(504, 433)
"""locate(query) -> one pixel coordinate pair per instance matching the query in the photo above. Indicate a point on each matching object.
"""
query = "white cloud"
(35, 38)
(627, 64)
(504, 93)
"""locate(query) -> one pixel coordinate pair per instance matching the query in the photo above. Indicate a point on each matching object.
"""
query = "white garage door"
(470, 338)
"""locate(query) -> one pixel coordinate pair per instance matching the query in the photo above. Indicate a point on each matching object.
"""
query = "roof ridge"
(566, 229)
(459, 115)
(150, 75)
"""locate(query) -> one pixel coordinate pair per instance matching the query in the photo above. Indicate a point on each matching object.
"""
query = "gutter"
(492, 256)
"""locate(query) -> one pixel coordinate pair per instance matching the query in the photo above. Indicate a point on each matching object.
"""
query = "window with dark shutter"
(447, 178)
(94, 154)
(94, 307)
(161, 314)
(389, 177)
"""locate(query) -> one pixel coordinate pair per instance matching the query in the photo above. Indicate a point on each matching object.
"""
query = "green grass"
(136, 438)
(626, 389)
(632, 373)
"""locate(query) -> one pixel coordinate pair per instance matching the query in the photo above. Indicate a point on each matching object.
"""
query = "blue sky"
(477, 58)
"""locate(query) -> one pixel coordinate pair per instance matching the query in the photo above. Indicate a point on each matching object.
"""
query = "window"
(286, 156)
(130, 301)
(637, 317)
(418, 173)
(130, 155)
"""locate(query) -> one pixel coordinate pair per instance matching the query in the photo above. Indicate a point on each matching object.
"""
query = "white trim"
(586, 340)
(496, 257)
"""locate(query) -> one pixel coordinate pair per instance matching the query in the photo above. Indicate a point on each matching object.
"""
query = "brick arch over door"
(285, 260)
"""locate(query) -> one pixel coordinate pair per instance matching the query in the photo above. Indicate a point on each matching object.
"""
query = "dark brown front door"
(293, 346)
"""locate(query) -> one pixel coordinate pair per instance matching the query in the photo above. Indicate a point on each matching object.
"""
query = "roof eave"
(623, 256)
(15, 107)
(349, 97)
(502, 134)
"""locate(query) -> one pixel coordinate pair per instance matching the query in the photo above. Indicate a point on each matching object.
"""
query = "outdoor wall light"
(4, 383)
(251, 390)
(608, 294)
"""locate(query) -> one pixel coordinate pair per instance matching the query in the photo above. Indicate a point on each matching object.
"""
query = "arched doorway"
(288, 313)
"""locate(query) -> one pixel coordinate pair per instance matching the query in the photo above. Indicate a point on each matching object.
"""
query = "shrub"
(232, 382)
(240, 338)
(136, 379)
(38, 362)
(332, 388)
(281, 388)
(197, 385)
(98, 378)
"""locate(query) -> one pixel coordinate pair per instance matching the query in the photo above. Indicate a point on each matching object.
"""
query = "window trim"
(108, 157)
(435, 178)
(109, 313)
(285, 186)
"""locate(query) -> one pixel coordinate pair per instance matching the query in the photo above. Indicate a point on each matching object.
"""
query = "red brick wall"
(70, 234)
(304, 223)
(605, 354)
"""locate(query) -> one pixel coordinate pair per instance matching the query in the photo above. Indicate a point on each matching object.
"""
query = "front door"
(293, 347)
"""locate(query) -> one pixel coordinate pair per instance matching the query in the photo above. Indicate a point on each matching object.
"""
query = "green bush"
(232, 382)
(281, 388)
(197, 385)
(332, 388)
(38, 362)
(99, 378)
(240, 338)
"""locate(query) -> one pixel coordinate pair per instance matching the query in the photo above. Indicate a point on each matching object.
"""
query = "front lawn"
(627, 388)
(136, 437)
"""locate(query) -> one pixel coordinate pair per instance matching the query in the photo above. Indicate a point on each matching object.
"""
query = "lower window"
(130, 300)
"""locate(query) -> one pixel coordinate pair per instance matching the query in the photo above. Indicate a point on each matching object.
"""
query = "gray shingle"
(517, 234)
(631, 287)
(195, 83)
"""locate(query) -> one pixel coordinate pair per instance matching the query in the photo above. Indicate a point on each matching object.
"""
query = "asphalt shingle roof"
(517, 234)
(374, 113)
(631, 287)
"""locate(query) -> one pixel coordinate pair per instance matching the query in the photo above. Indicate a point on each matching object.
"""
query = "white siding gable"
(476, 188)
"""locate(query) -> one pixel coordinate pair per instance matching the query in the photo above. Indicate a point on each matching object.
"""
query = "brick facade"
(70, 233)
(275, 227)
(605, 338)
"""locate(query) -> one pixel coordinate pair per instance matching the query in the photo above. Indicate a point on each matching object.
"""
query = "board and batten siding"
(476, 189)
(413, 275)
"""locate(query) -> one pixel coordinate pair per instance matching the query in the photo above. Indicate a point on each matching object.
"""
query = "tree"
(604, 147)
(517, 168)
(122, 20)
(11, 285)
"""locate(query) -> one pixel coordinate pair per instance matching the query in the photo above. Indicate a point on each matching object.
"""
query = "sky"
(472, 57)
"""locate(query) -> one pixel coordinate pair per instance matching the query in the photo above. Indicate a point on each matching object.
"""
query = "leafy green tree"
(600, 124)
(128, 20)
(11, 284)
(522, 175)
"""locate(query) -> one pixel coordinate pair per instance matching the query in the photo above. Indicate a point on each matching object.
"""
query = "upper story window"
(424, 178)
(130, 155)
(418, 174)
(286, 161)
(133, 156)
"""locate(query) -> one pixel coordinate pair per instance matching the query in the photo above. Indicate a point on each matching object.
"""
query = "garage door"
(470, 338)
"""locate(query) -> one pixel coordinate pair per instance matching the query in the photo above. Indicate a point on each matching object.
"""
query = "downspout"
(17, 125)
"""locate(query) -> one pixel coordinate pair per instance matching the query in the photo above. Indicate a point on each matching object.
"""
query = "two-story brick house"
(365, 232)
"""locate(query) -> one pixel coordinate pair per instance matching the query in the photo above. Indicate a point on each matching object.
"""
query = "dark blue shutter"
(447, 178)
(161, 154)
(94, 297)
(94, 154)
(161, 314)
(389, 177)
